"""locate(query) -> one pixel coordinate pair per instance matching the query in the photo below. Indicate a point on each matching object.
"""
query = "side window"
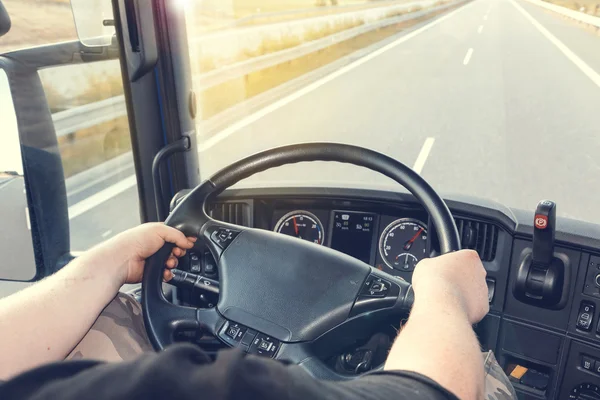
(88, 112)
(90, 119)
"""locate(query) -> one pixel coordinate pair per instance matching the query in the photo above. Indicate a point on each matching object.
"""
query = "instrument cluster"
(391, 243)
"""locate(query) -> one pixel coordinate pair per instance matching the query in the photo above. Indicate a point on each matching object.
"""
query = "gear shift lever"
(540, 278)
(544, 225)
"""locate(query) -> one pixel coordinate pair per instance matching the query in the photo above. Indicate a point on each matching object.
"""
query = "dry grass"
(36, 23)
(273, 44)
(318, 33)
(587, 6)
(219, 98)
(244, 8)
(95, 145)
(99, 88)
(91, 146)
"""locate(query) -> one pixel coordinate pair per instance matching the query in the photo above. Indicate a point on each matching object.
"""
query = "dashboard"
(549, 352)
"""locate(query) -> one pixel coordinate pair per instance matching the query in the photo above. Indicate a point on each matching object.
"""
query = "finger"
(167, 275)
(172, 262)
(174, 236)
(178, 252)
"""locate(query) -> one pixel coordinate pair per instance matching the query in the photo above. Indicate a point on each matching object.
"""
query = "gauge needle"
(295, 225)
(408, 244)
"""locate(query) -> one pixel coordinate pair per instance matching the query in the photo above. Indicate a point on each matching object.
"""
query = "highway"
(498, 99)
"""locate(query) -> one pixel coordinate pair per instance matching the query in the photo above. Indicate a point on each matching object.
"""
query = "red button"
(541, 221)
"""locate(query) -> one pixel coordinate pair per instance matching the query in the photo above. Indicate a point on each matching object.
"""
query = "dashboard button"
(597, 367)
(264, 345)
(585, 316)
(210, 269)
(195, 264)
(375, 287)
(232, 331)
(587, 363)
(223, 237)
(248, 337)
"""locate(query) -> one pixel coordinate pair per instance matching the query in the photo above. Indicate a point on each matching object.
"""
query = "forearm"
(43, 323)
(439, 342)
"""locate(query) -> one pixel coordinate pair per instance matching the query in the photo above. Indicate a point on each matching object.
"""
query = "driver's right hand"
(453, 281)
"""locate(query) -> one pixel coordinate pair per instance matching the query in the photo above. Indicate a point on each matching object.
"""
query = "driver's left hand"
(128, 251)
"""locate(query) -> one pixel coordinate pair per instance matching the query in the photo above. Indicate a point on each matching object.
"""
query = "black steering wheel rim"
(162, 318)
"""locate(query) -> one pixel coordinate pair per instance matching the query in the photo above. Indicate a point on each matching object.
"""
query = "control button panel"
(223, 237)
(375, 287)
(264, 345)
(585, 316)
(376, 293)
(249, 340)
(195, 264)
(592, 279)
(236, 332)
(589, 363)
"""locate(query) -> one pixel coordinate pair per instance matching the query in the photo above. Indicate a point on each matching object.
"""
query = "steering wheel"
(278, 294)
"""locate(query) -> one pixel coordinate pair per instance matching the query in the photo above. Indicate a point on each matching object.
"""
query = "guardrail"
(70, 121)
(74, 119)
(224, 74)
(567, 12)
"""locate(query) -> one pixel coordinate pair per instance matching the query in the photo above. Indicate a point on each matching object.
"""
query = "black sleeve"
(186, 372)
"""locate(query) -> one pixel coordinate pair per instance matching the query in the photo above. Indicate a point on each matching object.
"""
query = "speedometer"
(403, 244)
(301, 224)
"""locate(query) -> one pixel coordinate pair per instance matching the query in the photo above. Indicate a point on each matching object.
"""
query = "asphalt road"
(480, 101)
(510, 116)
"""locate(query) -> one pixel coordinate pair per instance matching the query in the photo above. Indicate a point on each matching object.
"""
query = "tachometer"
(301, 224)
(403, 244)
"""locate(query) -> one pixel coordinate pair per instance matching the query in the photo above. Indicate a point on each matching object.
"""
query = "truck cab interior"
(312, 216)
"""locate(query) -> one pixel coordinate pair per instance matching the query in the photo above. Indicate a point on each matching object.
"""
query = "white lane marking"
(586, 69)
(425, 150)
(27, 218)
(106, 234)
(250, 119)
(96, 181)
(96, 199)
(468, 56)
(480, 29)
(485, 17)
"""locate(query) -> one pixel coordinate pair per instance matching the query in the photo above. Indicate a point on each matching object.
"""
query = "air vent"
(233, 213)
(479, 236)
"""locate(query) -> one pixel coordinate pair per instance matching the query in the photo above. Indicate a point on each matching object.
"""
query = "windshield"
(494, 99)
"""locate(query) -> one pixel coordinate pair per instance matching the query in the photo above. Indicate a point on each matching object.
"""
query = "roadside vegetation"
(591, 7)
(89, 147)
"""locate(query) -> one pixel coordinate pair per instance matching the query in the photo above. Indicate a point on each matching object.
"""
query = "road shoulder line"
(102, 196)
(574, 58)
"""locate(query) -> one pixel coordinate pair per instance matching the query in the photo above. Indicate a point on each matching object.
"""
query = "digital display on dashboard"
(352, 234)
